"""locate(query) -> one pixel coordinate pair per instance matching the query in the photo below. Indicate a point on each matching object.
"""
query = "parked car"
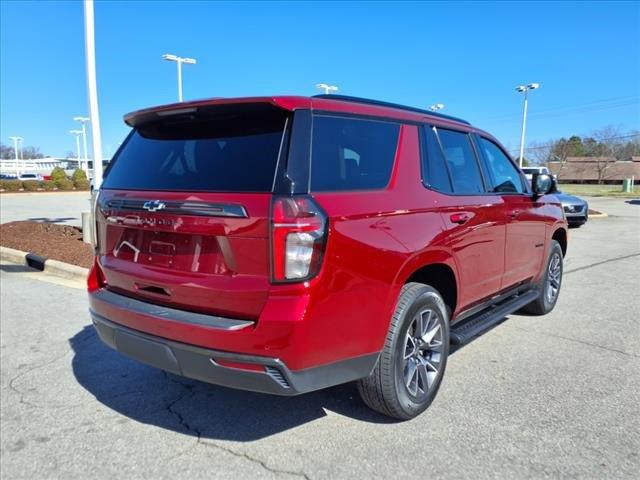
(529, 171)
(6, 176)
(30, 176)
(288, 244)
(575, 209)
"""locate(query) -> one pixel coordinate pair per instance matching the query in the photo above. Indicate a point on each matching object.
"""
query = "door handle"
(514, 214)
(460, 218)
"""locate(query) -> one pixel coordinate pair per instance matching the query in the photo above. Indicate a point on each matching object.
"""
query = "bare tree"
(541, 152)
(610, 147)
(7, 152)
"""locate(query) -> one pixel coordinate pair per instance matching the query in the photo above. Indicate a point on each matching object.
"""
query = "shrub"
(81, 184)
(12, 185)
(64, 184)
(30, 185)
(47, 185)
(58, 173)
(78, 174)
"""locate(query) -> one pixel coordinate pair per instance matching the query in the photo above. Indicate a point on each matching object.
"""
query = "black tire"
(387, 389)
(545, 303)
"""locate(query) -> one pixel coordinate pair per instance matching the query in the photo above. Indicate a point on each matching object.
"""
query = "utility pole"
(92, 89)
(15, 145)
(77, 134)
(327, 88)
(179, 61)
(83, 121)
(524, 89)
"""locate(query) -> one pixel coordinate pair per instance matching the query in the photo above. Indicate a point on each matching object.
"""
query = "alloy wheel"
(554, 277)
(422, 352)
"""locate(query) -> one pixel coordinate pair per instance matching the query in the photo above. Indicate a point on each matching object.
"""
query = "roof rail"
(367, 101)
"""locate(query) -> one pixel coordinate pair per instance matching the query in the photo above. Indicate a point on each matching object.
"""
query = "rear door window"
(230, 150)
(462, 162)
(434, 170)
(352, 154)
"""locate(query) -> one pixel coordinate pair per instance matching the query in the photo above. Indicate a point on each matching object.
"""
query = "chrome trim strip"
(201, 209)
(166, 313)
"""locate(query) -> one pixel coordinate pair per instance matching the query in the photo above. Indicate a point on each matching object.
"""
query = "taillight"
(94, 218)
(95, 280)
(298, 238)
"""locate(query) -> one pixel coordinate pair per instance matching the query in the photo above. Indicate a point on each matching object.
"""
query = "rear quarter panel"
(375, 239)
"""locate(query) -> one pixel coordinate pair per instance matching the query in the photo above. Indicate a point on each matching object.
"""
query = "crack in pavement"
(188, 392)
(615, 259)
(11, 385)
(255, 460)
(575, 340)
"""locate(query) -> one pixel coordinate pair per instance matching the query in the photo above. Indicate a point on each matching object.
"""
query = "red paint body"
(376, 241)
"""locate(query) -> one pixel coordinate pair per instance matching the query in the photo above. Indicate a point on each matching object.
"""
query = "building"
(596, 170)
(43, 166)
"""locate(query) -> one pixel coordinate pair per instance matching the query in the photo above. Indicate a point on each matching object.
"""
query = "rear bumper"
(267, 375)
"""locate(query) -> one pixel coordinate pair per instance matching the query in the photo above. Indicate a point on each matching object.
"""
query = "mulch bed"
(49, 240)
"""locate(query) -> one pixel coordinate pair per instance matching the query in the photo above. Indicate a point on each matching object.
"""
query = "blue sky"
(469, 56)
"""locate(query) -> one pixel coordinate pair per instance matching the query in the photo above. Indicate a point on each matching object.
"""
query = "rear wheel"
(550, 283)
(412, 363)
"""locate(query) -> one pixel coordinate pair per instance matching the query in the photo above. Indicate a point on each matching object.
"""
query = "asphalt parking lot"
(52, 207)
(536, 397)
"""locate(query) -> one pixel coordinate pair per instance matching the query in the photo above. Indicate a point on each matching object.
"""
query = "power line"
(576, 111)
(550, 145)
(612, 102)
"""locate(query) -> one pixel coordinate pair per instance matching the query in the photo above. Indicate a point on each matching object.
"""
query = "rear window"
(223, 149)
(352, 154)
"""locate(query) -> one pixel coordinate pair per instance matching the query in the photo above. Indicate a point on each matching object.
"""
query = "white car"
(31, 176)
(529, 171)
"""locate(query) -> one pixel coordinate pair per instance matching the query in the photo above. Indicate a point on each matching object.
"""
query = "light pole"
(436, 106)
(77, 133)
(83, 121)
(15, 145)
(524, 89)
(327, 88)
(92, 93)
(179, 61)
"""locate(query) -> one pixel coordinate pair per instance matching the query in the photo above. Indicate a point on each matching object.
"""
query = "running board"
(485, 319)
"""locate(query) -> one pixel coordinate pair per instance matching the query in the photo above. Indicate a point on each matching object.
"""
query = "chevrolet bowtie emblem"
(154, 205)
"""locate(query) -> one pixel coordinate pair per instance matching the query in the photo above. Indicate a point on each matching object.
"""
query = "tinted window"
(463, 166)
(503, 175)
(352, 154)
(209, 151)
(434, 169)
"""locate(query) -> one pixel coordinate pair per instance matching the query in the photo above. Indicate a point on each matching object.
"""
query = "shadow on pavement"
(154, 397)
(633, 202)
(51, 220)
(10, 268)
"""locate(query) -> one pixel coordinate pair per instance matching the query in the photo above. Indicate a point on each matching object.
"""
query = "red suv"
(288, 244)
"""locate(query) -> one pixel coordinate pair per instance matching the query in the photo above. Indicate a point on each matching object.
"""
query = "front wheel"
(412, 363)
(550, 283)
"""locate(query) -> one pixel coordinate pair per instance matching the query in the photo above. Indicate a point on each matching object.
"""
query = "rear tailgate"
(187, 255)
(183, 216)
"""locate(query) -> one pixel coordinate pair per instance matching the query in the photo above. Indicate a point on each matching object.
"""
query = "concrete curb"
(596, 214)
(52, 267)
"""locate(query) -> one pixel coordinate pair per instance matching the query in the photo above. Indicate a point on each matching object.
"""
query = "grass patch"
(598, 190)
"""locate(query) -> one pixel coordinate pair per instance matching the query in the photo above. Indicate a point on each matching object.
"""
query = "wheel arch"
(560, 236)
(436, 269)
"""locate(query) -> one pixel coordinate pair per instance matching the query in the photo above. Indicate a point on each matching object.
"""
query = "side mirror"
(542, 183)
